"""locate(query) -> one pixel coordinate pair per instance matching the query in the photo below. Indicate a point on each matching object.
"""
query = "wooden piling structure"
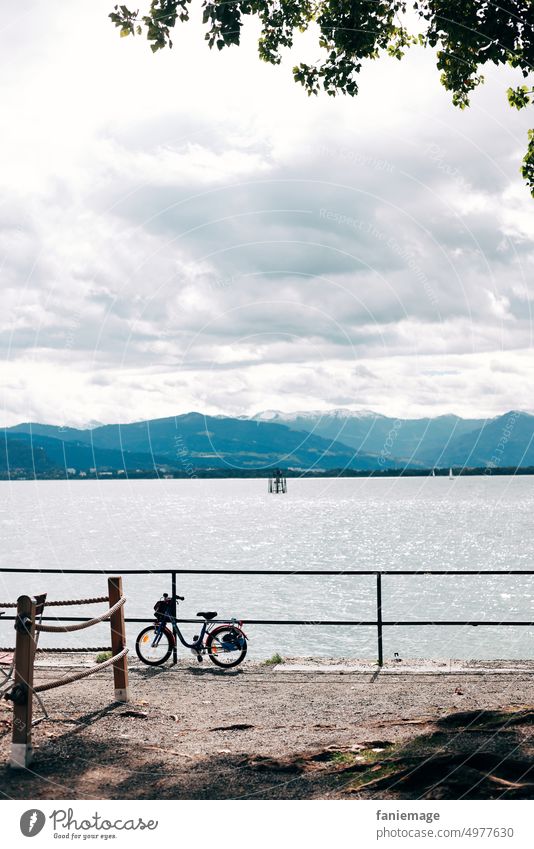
(118, 641)
(277, 482)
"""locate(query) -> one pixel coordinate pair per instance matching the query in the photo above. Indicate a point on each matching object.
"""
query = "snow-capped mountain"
(312, 440)
(423, 441)
(340, 413)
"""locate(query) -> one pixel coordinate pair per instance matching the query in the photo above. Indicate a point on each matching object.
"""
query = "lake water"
(478, 523)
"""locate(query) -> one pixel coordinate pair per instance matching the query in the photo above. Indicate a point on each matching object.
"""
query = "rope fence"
(69, 602)
(77, 676)
(81, 650)
(59, 629)
(28, 626)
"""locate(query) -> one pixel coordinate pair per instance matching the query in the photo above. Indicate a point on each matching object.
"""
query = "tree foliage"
(465, 34)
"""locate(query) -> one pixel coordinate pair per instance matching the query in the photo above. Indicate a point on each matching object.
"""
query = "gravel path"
(305, 729)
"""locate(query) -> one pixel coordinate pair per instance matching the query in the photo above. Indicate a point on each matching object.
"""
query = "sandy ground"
(304, 729)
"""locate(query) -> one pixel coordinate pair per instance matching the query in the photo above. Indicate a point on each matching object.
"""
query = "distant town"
(221, 472)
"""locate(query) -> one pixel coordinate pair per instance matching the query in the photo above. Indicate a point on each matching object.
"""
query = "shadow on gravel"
(226, 673)
(147, 673)
(474, 755)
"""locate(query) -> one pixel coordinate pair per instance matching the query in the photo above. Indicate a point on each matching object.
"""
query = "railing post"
(118, 641)
(173, 596)
(379, 618)
(21, 745)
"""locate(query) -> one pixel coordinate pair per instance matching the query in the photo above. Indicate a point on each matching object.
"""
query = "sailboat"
(433, 473)
(451, 476)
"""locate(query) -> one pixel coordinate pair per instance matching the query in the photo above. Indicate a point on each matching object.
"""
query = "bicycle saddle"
(209, 614)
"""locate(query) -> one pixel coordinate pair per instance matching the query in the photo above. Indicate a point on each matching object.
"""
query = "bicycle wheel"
(153, 647)
(227, 646)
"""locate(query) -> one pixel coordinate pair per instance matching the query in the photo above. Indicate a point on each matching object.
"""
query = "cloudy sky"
(190, 231)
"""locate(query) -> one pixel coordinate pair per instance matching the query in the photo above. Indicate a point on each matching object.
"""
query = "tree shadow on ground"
(472, 755)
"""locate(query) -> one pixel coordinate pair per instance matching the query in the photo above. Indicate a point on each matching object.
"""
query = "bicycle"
(224, 643)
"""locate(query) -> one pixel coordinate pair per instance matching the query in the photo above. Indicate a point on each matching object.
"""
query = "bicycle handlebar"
(180, 598)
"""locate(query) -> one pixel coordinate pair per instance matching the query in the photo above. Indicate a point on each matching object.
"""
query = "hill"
(190, 441)
(504, 441)
(311, 442)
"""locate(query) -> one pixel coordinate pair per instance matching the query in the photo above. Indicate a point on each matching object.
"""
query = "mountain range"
(300, 441)
(441, 441)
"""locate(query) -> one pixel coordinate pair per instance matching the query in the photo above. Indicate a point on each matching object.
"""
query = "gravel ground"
(305, 729)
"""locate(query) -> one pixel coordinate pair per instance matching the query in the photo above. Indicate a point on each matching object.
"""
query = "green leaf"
(465, 36)
(519, 97)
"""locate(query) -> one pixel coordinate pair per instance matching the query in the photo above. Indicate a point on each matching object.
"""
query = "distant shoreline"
(262, 474)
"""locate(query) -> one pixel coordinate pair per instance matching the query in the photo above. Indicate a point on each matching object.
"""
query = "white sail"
(450, 474)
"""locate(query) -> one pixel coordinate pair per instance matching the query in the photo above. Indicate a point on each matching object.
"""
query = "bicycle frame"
(174, 631)
(198, 644)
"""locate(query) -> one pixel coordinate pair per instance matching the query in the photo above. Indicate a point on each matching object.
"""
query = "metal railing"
(379, 623)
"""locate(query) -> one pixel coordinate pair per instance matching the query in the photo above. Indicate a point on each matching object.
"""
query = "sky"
(189, 231)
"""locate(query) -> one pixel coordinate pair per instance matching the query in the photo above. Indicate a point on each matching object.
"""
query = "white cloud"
(190, 231)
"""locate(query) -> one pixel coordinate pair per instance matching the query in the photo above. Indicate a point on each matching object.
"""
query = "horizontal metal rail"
(351, 622)
(379, 623)
(287, 572)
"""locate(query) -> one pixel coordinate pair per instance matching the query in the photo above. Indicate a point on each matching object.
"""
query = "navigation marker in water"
(277, 483)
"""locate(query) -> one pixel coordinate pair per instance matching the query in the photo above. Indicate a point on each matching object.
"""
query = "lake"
(480, 523)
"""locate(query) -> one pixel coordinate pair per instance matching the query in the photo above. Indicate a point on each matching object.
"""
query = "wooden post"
(21, 745)
(118, 641)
